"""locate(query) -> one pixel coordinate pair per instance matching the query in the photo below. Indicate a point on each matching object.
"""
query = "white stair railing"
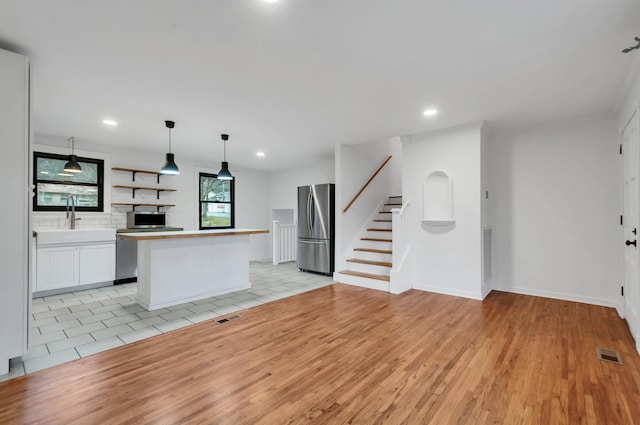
(284, 242)
(400, 275)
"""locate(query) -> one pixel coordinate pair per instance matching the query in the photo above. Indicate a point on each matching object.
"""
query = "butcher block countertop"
(141, 236)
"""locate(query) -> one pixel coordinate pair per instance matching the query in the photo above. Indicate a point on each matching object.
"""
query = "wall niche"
(438, 199)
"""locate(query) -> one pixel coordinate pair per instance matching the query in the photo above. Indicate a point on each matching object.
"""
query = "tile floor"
(77, 324)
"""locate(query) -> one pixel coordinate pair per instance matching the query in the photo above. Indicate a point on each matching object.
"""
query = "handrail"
(366, 184)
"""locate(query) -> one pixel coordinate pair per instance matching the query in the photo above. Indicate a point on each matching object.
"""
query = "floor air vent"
(610, 356)
(228, 319)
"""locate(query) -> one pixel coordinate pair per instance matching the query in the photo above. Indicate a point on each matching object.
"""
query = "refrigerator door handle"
(323, 242)
(309, 212)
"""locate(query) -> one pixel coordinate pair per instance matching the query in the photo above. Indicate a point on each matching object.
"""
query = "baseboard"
(560, 296)
(449, 291)
(486, 291)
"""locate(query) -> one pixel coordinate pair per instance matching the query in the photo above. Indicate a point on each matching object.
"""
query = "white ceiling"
(294, 78)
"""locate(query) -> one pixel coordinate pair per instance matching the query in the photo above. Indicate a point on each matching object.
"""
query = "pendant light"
(72, 166)
(170, 167)
(224, 173)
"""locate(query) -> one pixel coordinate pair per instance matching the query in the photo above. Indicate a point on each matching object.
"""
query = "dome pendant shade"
(170, 166)
(72, 166)
(224, 173)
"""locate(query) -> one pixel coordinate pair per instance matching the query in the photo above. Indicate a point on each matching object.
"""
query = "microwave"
(146, 219)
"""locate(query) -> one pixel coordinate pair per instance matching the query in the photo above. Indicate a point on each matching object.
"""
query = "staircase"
(371, 264)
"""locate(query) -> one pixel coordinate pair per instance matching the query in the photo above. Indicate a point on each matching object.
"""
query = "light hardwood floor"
(343, 354)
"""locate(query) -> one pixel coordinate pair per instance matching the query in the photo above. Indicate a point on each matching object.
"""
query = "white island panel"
(190, 265)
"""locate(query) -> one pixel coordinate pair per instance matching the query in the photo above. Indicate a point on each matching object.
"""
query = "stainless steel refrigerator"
(316, 228)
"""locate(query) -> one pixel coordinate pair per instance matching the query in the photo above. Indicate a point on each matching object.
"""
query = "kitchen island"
(189, 265)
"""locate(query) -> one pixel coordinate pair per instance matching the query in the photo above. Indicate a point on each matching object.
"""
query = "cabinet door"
(97, 263)
(57, 267)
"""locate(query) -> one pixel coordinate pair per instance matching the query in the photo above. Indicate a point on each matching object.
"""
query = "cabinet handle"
(631, 243)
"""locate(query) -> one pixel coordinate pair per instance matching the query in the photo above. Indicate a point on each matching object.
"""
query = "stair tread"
(376, 240)
(369, 262)
(395, 196)
(372, 229)
(382, 221)
(393, 204)
(377, 251)
(366, 275)
(384, 212)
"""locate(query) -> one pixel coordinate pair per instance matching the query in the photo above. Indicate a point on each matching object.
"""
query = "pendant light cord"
(169, 139)
(72, 145)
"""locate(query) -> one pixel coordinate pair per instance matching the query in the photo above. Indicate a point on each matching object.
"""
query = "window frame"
(57, 208)
(232, 184)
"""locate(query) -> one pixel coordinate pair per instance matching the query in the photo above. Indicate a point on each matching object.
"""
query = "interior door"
(631, 193)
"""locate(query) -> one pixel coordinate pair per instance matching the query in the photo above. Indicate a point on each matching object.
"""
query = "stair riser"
(378, 235)
(386, 208)
(372, 256)
(374, 245)
(369, 268)
(381, 225)
(380, 285)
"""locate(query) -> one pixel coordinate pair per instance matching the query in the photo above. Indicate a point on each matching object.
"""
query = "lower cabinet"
(97, 263)
(57, 267)
(67, 266)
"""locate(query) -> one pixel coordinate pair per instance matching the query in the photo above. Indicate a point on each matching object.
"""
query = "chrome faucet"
(72, 223)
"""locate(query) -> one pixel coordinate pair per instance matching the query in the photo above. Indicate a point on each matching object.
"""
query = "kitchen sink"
(54, 237)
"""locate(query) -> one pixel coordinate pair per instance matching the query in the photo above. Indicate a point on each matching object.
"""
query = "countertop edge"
(191, 234)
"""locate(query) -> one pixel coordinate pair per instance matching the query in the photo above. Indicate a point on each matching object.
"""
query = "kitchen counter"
(176, 267)
(192, 234)
(157, 229)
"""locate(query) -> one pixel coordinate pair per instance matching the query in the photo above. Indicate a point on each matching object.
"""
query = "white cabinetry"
(57, 267)
(65, 265)
(97, 263)
(15, 293)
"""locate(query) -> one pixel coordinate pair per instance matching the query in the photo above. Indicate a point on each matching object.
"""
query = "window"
(216, 202)
(53, 185)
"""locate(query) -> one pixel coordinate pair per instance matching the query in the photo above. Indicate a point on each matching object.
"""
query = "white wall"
(15, 301)
(251, 192)
(284, 183)
(556, 210)
(447, 259)
(355, 164)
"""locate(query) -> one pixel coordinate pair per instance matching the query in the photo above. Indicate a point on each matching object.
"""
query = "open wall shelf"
(134, 188)
(134, 171)
(134, 205)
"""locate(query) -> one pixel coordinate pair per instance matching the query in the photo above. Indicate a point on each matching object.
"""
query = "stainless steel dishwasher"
(126, 260)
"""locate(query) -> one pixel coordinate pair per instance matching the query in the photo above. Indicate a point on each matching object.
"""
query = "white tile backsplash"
(117, 219)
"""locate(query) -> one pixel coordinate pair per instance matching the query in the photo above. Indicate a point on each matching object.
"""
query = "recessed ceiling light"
(260, 154)
(430, 112)
(112, 123)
